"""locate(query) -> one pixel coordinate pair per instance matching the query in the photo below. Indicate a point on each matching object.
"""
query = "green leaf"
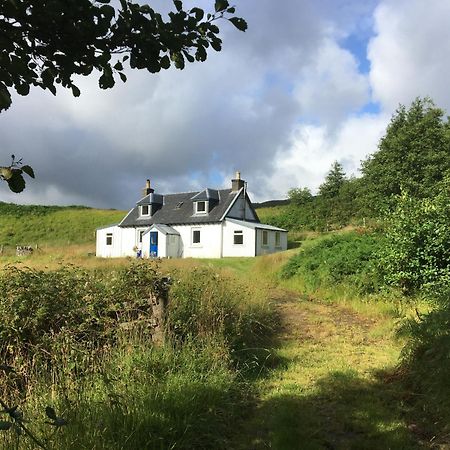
(5, 425)
(16, 183)
(199, 13)
(145, 9)
(189, 57)
(178, 4)
(216, 44)
(28, 170)
(165, 62)
(118, 66)
(22, 88)
(5, 97)
(76, 93)
(221, 5)
(239, 23)
(122, 76)
(50, 413)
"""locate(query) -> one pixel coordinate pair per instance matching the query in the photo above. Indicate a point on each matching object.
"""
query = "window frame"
(193, 242)
(142, 210)
(109, 237)
(238, 234)
(206, 205)
(140, 235)
(265, 238)
(277, 239)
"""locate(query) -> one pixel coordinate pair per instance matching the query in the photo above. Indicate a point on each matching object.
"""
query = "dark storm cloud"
(181, 129)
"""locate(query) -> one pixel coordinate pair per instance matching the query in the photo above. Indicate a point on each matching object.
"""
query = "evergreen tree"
(333, 181)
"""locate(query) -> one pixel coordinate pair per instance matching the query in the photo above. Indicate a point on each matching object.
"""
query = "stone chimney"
(237, 183)
(147, 190)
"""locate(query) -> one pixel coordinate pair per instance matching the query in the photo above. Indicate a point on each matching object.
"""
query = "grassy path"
(331, 384)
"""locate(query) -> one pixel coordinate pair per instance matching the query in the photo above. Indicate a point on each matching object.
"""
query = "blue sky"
(309, 83)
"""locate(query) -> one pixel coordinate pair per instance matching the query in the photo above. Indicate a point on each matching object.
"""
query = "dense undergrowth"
(349, 258)
(80, 341)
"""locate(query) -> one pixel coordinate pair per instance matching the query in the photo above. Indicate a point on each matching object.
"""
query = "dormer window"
(201, 207)
(145, 210)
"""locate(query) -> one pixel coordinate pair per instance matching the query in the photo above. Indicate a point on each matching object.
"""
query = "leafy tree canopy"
(300, 196)
(413, 155)
(333, 181)
(46, 42)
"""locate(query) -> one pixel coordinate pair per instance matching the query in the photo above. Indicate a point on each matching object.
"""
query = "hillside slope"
(52, 225)
(67, 225)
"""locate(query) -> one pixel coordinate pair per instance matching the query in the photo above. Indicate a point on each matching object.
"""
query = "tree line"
(413, 158)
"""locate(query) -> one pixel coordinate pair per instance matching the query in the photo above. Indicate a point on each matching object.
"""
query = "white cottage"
(208, 224)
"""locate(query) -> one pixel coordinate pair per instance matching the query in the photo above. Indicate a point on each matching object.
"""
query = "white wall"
(123, 241)
(270, 247)
(247, 248)
(210, 241)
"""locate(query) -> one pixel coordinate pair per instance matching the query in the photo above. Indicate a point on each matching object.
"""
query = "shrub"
(340, 258)
(417, 251)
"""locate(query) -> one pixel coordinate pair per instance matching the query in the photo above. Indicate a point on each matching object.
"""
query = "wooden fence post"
(160, 301)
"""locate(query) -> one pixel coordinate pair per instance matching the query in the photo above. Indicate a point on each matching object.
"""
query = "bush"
(341, 258)
(39, 307)
(79, 340)
(417, 251)
(426, 364)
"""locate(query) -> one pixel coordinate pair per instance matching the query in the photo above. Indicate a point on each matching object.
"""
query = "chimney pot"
(237, 183)
(147, 190)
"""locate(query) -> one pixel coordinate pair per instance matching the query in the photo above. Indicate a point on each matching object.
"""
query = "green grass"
(51, 225)
(330, 385)
(328, 378)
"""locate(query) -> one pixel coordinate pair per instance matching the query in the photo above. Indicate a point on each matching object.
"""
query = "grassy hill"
(52, 225)
(68, 225)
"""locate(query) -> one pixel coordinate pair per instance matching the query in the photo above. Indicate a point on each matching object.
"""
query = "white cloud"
(280, 103)
(331, 86)
(410, 53)
(313, 149)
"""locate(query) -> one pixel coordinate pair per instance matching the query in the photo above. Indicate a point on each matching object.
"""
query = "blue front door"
(153, 244)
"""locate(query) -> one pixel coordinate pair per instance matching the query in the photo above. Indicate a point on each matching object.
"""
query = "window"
(277, 239)
(196, 236)
(145, 210)
(200, 207)
(238, 237)
(109, 238)
(265, 237)
(140, 235)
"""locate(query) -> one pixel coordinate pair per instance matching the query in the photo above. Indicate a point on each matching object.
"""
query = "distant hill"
(271, 203)
(52, 225)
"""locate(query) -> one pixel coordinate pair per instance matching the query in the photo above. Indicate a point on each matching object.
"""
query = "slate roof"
(178, 209)
(207, 194)
(165, 229)
(254, 225)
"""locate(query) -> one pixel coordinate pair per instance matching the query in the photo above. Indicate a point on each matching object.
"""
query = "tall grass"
(80, 341)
